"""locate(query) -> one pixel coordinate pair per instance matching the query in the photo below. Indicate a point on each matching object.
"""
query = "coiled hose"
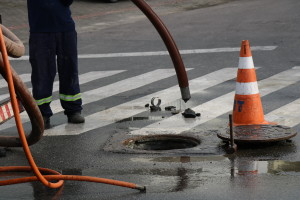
(15, 48)
(45, 179)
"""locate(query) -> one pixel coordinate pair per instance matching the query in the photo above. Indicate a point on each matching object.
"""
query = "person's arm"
(66, 2)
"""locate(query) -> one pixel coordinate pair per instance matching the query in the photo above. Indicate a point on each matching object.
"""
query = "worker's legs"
(67, 65)
(42, 59)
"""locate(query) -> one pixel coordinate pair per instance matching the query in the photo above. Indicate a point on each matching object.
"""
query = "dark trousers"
(51, 53)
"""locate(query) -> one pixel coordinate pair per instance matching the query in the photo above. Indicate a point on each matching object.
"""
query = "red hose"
(171, 46)
(33, 167)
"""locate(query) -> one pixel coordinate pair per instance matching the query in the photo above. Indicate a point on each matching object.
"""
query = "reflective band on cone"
(247, 167)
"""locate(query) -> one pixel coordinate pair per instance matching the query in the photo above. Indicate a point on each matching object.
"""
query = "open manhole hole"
(161, 142)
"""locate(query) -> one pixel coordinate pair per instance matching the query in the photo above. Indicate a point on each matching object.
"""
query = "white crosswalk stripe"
(25, 78)
(3, 84)
(91, 76)
(83, 78)
(287, 115)
(161, 53)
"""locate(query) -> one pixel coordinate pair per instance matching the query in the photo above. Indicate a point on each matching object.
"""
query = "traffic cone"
(247, 108)
(249, 125)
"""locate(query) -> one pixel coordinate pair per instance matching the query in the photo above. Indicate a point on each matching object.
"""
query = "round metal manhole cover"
(259, 133)
(161, 142)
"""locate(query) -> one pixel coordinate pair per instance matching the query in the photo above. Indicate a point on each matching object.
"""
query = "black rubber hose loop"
(15, 48)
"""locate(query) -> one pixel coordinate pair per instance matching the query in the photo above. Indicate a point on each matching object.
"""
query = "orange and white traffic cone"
(249, 125)
(247, 109)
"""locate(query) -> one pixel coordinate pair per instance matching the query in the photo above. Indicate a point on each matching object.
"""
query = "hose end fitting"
(141, 188)
(185, 93)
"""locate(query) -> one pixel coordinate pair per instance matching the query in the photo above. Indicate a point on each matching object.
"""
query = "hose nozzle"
(141, 188)
(185, 93)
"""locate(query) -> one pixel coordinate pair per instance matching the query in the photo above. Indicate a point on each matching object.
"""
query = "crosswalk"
(176, 124)
(220, 105)
(161, 53)
(106, 91)
(84, 78)
(287, 115)
(24, 77)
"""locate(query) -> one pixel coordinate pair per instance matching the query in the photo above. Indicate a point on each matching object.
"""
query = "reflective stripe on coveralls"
(43, 101)
(70, 97)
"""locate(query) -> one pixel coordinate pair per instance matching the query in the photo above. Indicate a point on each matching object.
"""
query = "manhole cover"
(161, 142)
(259, 133)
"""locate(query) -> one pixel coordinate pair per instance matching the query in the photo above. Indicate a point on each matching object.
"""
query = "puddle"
(132, 119)
(270, 167)
(191, 173)
(181, 159)
(240, 166)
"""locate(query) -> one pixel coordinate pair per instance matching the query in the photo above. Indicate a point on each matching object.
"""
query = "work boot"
(76, 118)
(47, 124)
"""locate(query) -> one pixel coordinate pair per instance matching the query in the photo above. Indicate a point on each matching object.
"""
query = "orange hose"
(33, 167)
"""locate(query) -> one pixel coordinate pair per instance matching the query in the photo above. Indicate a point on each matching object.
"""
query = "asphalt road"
(123, 64)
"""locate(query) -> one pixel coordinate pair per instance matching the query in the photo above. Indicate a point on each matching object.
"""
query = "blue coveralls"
(53, 48)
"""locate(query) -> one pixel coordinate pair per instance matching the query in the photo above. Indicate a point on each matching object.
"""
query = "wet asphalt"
(268, 171)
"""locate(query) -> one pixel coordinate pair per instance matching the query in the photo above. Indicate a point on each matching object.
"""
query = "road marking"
(91, 76)
(83, 78)
(120, 86)
(128, 84)
(24, 77)
(162, 53)
(169, 95)
(287, 115)
(112, 89)
(218, 106)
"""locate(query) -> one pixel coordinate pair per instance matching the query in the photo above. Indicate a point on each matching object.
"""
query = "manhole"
(161, 142)
(259, 133)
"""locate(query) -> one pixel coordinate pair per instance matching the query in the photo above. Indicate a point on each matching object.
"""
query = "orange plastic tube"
(33, 167)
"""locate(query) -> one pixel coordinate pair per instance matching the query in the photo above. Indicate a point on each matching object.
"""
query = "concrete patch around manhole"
(185, 143)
